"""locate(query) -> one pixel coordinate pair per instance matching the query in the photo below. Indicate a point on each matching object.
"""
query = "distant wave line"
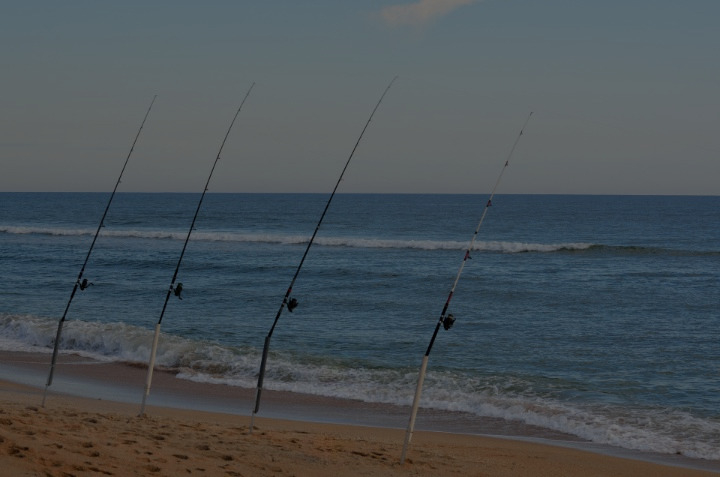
(359, 242)
(351, 242)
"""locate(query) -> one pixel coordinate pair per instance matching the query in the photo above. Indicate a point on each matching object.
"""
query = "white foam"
(352, 242)
(645, 429)
(44, 231)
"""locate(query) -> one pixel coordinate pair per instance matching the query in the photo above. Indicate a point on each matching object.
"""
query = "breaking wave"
(270, 238)
(359, 242)
(513, 398)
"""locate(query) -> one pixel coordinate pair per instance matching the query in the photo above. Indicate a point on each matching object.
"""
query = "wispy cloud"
(420, 12)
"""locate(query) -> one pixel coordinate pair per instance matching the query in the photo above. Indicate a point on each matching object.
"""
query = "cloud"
(420, 12)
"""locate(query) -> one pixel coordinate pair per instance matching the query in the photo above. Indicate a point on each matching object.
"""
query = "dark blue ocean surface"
(592, 315)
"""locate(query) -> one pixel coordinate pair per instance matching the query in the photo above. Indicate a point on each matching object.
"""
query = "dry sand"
(74, 436)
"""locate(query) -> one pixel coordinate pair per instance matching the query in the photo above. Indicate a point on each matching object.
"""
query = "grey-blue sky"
(624, 94)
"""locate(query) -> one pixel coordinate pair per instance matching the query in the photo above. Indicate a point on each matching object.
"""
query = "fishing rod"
(446, 319)
(292, 303)
(177, 289)
(83, 283)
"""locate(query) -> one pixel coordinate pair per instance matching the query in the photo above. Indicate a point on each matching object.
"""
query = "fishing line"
(177, 289)
(292, 303)
(82, 283)
(447, 320)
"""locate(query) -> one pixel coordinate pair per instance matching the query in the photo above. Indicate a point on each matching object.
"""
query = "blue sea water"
(591, 315)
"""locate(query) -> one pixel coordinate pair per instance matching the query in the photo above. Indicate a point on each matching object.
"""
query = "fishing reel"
(177, 290)
(292, 304)
(84, 284)
(448, 321)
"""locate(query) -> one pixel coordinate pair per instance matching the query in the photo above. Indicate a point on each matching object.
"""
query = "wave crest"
(501, 396)
(282, 239)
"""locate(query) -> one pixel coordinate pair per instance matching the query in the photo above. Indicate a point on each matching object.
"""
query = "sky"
(624, 95)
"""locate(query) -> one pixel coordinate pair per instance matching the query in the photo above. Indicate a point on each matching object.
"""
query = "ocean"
(594, 316)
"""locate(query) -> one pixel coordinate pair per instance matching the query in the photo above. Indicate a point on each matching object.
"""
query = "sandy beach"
(75, 436)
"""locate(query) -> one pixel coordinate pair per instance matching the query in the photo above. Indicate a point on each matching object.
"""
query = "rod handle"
(416, 404)
(151, 367)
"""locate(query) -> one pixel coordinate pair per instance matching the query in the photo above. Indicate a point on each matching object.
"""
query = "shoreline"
(110, 387)
(124, 382)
